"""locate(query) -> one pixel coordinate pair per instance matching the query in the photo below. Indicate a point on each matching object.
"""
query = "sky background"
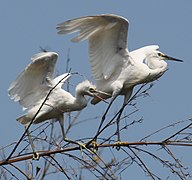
(28, 25)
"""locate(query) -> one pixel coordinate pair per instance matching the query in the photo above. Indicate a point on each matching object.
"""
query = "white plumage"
(115, 69)
(33, 85)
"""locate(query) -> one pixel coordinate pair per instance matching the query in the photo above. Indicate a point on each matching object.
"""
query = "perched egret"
(115, 69)
(32, 86)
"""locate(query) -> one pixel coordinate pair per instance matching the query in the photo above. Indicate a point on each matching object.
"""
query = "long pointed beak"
(103, 93)
(98, 94)
(93, 93)
(172, 58)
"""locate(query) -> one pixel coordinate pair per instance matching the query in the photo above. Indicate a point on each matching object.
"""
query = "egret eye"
(160, 54)
(92, 90)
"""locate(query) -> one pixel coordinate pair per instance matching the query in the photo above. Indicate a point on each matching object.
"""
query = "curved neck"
(157, 67)
(155, 63)
(80, 101)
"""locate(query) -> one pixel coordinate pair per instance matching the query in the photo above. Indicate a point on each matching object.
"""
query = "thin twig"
(141, 161)
(61, 169)
(186, 127)
(20, 171)
(83, 162)
(10, 173)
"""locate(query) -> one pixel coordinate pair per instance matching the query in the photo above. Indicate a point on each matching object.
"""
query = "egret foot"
(81, 145)
(35, 156)
(118, 145)
(94, 146)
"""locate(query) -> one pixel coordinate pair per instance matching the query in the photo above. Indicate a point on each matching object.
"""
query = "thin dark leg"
(61, 122)
(118, 122)
(126, 100)
(81, 145)
(35, 154)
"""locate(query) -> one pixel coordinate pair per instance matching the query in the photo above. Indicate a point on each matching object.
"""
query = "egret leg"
(126, 100)
(81, 145)
(35, 154)
(118, 122)
(61, 122)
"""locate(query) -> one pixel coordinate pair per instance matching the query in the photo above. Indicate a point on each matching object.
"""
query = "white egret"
(32, 86)
(115, 69)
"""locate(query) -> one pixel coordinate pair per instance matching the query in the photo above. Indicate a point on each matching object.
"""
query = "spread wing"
(33, 84)
(107, 35)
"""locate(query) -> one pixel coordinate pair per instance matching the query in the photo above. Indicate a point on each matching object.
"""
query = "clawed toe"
(35, 156)
(118, 145)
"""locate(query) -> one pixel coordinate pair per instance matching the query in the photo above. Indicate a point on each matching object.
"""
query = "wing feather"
(61, 78)
(107, 35)
(35, 81)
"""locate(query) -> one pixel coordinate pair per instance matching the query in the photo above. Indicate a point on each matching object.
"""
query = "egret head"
(156, 54)
(162, 56)
(154, 58)
(151, 55)
(86, 88)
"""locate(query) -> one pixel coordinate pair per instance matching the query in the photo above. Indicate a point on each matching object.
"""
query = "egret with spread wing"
(115, 69)
(33, 85)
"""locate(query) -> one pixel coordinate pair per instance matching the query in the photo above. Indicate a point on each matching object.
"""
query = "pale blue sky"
(27, 25)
